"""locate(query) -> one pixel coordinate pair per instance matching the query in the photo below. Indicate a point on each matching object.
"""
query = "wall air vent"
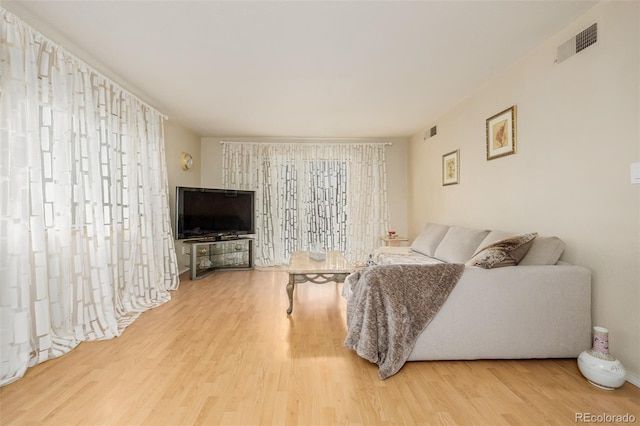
(577, 43)
(430, 133)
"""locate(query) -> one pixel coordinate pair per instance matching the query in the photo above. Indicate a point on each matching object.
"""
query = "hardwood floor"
(223, 351)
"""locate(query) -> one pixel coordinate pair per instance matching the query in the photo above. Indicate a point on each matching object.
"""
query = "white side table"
(393, 242)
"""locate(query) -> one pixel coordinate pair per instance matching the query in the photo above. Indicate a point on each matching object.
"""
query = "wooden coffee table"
(302, 268)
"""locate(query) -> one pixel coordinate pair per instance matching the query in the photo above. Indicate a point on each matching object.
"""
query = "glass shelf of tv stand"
(210, 255)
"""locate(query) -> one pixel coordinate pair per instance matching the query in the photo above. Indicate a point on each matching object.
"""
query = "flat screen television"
(210, 212)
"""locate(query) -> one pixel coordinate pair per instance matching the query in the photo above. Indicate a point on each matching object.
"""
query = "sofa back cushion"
(428, 240)
(459, 244)
(494, 236)
(544, 251)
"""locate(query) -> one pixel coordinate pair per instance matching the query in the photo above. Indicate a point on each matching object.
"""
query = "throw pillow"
(506, 252)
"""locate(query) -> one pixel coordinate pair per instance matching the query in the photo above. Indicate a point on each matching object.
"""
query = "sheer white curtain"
(331, 194)
(85, 238)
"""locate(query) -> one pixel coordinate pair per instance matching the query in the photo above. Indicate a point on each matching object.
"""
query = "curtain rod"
(307, 142)
(74, 57)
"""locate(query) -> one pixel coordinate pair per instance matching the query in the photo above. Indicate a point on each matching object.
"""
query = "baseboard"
(633, 379)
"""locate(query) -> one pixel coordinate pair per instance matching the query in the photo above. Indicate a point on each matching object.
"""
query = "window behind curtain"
(324, 210)
(330, 194)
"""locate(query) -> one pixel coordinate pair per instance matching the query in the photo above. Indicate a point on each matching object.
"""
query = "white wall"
(578, 133)
(396, 157)
(179, 139)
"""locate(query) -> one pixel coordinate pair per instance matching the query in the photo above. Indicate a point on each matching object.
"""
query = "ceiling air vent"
(577, 43)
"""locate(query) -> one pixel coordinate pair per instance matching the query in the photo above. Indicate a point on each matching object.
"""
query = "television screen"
(209, 212)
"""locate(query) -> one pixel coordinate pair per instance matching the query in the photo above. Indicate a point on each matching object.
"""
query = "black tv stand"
(224, 252)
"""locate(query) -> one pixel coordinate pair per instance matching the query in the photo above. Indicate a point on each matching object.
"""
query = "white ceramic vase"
(599, 367)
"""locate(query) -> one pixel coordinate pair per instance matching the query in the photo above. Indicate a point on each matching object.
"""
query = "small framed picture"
(451, 168)
(501, 134)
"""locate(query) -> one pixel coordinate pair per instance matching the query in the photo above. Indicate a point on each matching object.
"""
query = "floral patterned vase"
(599, 367)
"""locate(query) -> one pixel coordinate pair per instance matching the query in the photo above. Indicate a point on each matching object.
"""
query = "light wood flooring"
(223, 351)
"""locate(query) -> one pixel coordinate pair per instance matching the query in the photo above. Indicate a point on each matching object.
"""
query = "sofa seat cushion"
(400, 256)
(428, 240)
(459, 244)
(505, 252)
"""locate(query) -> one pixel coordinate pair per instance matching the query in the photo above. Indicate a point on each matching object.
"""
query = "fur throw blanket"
(390, 305)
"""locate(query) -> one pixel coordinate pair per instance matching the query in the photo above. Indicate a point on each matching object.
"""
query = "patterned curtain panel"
(85, 237)
(330, 195)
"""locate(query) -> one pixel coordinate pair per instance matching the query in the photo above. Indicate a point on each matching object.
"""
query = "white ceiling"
(339, 69)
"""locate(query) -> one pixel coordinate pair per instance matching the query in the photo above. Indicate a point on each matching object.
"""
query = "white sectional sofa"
(539, 308)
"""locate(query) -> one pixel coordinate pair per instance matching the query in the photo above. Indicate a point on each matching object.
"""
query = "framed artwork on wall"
(451, 168)
(501, 134)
